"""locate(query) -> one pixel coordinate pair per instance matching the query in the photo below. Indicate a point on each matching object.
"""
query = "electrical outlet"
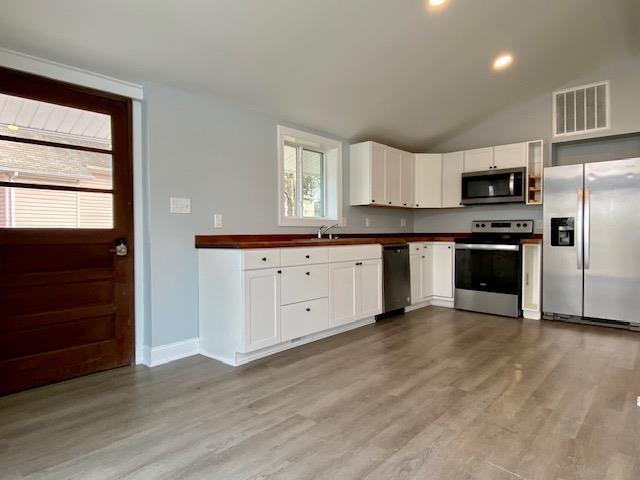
(217, 220)
(179, 205)
(403, 222)
(367, 222)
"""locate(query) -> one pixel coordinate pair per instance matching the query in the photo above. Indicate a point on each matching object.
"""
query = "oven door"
(488, 268)
(494, 186)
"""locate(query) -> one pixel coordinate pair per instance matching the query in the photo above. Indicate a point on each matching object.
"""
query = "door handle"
(579, 227)
(587, 228)
(512, 181)
(120, 247)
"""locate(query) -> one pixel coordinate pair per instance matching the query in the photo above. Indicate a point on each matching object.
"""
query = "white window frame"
(332, 164)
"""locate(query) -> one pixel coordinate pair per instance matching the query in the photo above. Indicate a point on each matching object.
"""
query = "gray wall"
(224, 158)
(529, 121)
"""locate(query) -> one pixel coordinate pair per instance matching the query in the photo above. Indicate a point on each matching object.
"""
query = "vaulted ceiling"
(390, 70)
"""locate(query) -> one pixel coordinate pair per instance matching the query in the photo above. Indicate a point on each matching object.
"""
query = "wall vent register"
(581, 109)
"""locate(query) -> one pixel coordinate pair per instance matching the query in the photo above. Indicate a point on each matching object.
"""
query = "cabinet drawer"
(304, 283)
(265, 258)
(305, 318)
(355, 252)
(304, 256)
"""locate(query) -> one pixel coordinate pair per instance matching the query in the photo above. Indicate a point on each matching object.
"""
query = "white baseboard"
(435, 301)
(154, 356)
(226, 360)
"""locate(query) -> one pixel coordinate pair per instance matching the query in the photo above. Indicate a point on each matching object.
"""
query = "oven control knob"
(518, 225)
(477, 225)
(524, 224)
(483, 225)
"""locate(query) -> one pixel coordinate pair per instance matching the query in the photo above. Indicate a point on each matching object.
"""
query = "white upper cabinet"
(478, 160)
(393, 177)
(510, 156)
(452, 168)
(407, 174)
(377, 174)
(428, 180)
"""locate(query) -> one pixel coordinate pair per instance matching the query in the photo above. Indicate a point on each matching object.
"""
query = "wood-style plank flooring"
(434, 394)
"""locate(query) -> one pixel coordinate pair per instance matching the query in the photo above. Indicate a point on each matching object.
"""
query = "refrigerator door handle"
(587, 227)
(579, 227)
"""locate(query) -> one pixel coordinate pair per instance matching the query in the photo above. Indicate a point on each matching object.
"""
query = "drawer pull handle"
(358, 263)
(308, 273)
(308, 309)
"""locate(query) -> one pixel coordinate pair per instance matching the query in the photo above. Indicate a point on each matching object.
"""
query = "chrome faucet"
(325, 228)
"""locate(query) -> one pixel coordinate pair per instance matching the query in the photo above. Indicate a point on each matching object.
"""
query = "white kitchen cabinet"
(407, 174)
(452, 168)
(428, 180)
(431, 272)
(377, 175)
(355, 291)
(304, 318)
(343, 278)
(426, 271)
(443, 269)
(531, 280)
(478, 160)
(261, 309)
(393, 177)
(510, 156)
(369, 288)
(304, 283)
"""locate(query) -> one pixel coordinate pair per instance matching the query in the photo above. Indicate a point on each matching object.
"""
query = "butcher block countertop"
(284, 241)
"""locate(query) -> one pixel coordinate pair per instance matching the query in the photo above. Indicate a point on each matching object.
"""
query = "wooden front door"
(66, 231)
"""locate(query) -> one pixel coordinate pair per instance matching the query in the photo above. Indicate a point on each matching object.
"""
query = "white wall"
(224, 157)
(529, 121)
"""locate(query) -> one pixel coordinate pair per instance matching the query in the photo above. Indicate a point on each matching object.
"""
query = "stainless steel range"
(489, 267)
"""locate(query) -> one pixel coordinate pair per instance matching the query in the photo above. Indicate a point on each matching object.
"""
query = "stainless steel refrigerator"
(591, 257)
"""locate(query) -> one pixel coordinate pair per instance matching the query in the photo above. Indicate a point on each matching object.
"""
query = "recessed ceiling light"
(436, 3)
(502, 61)
(13, 128)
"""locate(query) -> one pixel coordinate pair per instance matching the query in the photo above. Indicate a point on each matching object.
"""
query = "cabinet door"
(369, 288)
(426, 261)
(452, 168)
(406, 173)
(393, 177)
(428, 180)
(378, 180)
(261, 309)
(443, 270)
(415, 269)
(510, 156)
(478, 160)
(343, 303)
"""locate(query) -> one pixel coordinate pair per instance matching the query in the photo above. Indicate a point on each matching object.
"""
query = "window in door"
(55, 166)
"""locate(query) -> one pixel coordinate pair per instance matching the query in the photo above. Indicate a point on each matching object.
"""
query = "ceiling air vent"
(581, 109)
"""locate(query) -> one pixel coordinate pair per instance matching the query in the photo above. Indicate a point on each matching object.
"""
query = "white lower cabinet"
(247, 312)
(432, 269)
(355, 290)
(262, 309)
(304, 318)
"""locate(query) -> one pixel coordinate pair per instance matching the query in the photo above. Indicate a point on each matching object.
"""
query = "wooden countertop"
(284, 241)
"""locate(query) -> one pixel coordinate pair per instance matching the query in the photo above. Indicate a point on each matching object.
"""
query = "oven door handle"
(482, 246)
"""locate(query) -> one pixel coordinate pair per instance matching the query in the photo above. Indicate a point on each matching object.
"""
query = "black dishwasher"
(397, 287)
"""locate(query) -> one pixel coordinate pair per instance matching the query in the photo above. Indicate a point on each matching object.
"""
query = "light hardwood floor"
(435, 394)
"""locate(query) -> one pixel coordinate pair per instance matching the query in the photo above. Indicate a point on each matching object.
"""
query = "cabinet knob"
(423, 256)
(307, 256)
(264, 259)
(449, 247)
(308, 273)
(389, 203)
(308, 309)
(404, 204)
(417, 204)
(358, 263)
(373, 201)
(279, 271)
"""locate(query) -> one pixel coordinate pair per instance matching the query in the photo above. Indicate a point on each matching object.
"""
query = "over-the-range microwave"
(494, 186)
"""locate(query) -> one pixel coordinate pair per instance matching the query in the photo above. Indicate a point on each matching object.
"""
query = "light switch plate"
(180, 205)
(217, 220)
